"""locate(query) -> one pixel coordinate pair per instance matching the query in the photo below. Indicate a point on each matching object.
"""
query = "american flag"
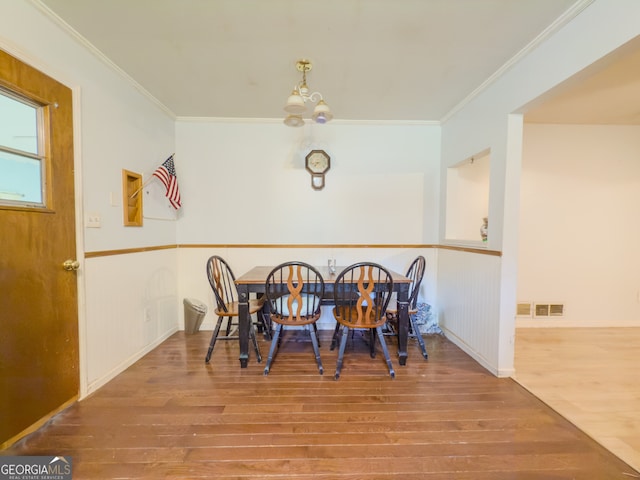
(166, 173)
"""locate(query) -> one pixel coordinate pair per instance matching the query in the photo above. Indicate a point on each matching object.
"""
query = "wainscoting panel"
(131, 307)
(469, 301)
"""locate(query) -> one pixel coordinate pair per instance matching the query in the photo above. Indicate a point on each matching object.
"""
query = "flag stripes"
(166, 173)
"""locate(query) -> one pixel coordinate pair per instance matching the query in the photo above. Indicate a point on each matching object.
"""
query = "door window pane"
(20, 178)
(21, 166)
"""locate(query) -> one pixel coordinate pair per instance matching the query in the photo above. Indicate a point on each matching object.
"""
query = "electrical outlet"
(94, 220)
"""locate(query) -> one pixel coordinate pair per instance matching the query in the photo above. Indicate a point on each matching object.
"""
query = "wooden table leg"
(244, 322)
(403, 324)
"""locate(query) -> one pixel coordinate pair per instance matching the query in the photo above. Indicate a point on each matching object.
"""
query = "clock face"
(317, 161)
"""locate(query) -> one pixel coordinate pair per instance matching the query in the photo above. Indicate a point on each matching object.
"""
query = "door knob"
(71, 265)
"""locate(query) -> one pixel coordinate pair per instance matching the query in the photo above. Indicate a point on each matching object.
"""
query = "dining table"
(253, 282)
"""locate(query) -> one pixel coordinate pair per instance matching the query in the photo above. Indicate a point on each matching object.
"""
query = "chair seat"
(343, 312)
(293, 321)
(255, 306)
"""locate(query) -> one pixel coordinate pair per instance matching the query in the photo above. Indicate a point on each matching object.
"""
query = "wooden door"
(39, 362)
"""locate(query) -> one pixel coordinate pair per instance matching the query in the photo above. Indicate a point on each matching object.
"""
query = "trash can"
(194, 312)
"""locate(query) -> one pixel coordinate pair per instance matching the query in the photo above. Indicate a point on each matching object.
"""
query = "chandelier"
(295, 106)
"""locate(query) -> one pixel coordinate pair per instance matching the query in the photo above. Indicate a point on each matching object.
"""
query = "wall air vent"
(556, 309)
(524, 309)
(542, 310)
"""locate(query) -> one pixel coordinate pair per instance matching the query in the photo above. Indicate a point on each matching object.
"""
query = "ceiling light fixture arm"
(302, 90)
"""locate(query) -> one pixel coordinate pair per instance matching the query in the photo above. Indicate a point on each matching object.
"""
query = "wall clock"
(317, 163)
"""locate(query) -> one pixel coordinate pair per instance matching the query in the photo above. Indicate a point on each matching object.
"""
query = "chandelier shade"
(296, 102)
(321, 114)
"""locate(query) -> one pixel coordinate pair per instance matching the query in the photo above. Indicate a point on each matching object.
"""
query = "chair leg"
(315, 330)
(316, 347)
(252, 334)
(334, 339)
(266, 324)
(372, 343)
(229, 324)
(385, 350)
(343, 345)
(214, 337)
(275, 341)
(418, 335)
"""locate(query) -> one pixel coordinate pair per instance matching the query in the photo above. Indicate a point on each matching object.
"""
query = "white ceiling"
(392, 60)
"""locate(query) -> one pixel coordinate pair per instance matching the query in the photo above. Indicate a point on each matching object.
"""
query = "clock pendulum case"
(317, 163)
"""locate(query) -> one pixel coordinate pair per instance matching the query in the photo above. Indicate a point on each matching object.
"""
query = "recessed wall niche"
(467, 201)
(132, 198)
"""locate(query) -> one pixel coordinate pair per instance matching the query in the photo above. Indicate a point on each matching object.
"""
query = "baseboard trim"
(466, 348)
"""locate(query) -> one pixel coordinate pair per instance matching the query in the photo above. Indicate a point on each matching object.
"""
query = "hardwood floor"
(171, 416)
(591, 377)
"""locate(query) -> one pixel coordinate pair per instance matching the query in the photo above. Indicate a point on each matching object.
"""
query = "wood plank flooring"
(171, 416)
(591, 377)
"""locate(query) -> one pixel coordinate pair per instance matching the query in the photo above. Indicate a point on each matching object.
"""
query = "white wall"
(486, 122)
(246, 183)
(115, 127)
(579, 228)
